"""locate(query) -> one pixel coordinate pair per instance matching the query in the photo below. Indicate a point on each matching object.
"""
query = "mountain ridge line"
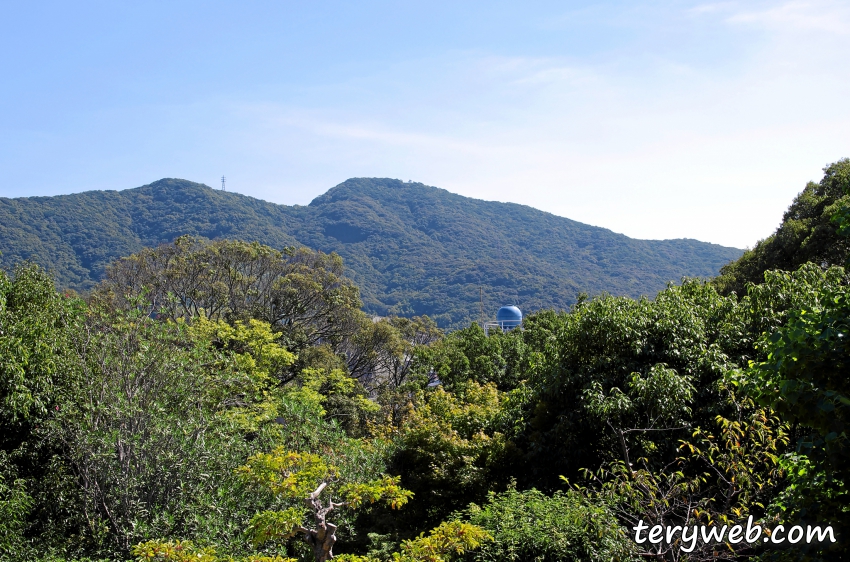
(413, 249)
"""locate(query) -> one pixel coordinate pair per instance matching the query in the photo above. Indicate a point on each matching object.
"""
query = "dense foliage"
(808, 233)
(225, 401)
(412, 249)
(530, 526)
(805, 380)
(302, 294)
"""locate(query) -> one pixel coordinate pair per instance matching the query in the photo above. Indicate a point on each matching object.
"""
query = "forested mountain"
(411, 248)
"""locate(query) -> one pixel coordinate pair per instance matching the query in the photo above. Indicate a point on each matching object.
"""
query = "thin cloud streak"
(830, 17)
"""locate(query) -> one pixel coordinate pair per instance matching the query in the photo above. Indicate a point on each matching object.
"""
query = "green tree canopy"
(306, 477)
(807, 234)
(302, 294)
(805, 378)
(531, 526)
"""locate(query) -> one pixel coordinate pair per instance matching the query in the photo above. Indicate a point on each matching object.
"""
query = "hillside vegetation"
(225, 401)
(412, 249)
(809, 232)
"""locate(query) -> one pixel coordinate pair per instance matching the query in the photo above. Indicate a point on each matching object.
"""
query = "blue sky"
(654, 119)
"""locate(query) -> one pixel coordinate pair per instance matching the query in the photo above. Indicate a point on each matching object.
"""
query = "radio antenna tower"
(222, 183)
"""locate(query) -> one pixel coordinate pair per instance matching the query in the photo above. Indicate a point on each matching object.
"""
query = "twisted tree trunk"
(322, 538)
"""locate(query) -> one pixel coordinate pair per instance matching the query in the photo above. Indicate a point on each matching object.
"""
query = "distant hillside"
(412, 248)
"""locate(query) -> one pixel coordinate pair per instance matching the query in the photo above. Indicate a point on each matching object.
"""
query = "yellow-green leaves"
(287, 473)
(743, 460)
(449, 538)
(386, 489)
(173, 551)
(297, 475)
(307, 476)
(275, 525)
(452, 450)
(186, 551)
(252, 360)
(318, 385)
(456, 427)
(256, 349)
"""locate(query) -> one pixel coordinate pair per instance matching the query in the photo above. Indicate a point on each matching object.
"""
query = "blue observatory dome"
(509, 317)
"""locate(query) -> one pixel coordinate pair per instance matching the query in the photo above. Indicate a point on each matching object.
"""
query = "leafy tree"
(469, 354)
(254, 362)
(163, 414)
(35, 324)
(531, 526)
(247, 369)
(619, 377)
(15, 505)
(720, 480)
(37, 364)
(443, 543)
(306, 476)
(451, 450)
(384, 351)
(301, 293)
(187, 551)
(841, 218)
(337, 396)
(137, 430)
(804, 378)
(657, 402)
(391, 358)
(807, 234)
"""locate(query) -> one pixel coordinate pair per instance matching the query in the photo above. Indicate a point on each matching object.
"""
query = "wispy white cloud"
(712, 7)
(822, 16)
(828, 17)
